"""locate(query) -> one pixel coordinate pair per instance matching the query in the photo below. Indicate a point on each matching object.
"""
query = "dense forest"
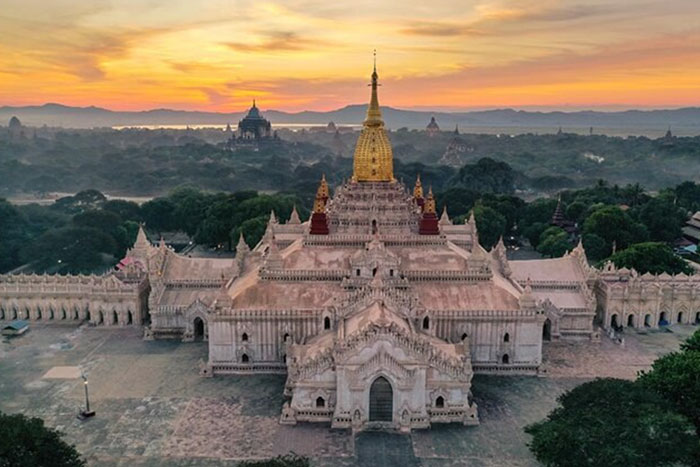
(153, 162)
(88, 232)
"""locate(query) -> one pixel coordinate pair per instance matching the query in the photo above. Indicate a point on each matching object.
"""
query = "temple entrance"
(381, 401)
(613, 322)
(198, 329)
(547, 330)
(630, 321)
(374, 227)
(662, 319)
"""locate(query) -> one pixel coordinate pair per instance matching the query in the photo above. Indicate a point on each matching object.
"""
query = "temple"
(378, 311)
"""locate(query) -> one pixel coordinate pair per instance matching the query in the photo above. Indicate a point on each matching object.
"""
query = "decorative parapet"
(303, 274)
(58, 285)
(359, 240)
(462, 276)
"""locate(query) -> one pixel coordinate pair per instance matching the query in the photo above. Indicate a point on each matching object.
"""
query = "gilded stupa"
(373, 161)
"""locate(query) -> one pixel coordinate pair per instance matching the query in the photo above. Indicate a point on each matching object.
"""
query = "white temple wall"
(491, 339)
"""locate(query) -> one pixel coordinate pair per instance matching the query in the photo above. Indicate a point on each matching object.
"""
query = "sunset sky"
(307, 54)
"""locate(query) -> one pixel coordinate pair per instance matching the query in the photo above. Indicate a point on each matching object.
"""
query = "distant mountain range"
(686, 120)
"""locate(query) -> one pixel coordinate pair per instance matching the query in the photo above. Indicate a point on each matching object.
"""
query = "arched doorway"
(630, 321)
(663, 321)
(647, 321)
(613, 322)
(680, 316)
(506, 358)
(326, 323)
(198, 329)
(381, 401)
(547, 330)
(374, 227)
(697, 317)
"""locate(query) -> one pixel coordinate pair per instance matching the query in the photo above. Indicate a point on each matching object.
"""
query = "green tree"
(70, 249)
(490, 224)
(486, 176)
(614, 225)
(595, 246)
(533, 232)
(676, 377)
(459, 201)
(692, 343)
(218, 221)
(28, 442)
(662, 219)
(653, 257)
(613, 423)
(190, 208)
(553, 242)
(575, 211)
(127, 210)
(159, 214)
(540, 210)
(13, 235)
(252, 229)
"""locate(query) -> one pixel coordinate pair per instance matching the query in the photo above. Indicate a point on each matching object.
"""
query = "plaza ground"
(153, 409)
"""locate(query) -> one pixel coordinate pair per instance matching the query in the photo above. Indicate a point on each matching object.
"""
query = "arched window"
(426, 323)
(326, 323)
(440, 402)
(464, 336)
(244, 358)
(357, 272)
(506, 337)
(506, 358)
(320, 402)
(374, 272)
(244, 337)
(391, 273)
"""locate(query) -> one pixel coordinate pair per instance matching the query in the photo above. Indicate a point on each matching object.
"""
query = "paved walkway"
(154, 410)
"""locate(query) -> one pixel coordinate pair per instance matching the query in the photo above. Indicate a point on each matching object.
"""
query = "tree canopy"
(27, 442)
(653, 257)
(613, 423)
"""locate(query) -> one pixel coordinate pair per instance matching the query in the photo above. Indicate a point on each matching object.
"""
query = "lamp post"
(87, 413)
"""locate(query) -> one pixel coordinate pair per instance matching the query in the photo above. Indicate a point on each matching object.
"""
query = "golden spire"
(430, 203)
(323, 190)
(322, 195)
(373, 161)
(374, 114)
(418, 188)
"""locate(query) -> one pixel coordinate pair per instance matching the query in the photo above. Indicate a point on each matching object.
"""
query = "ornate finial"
(445, 218)
(430, 202)
(418, 188)
(294, 217)
(375, 61)
(253, 103)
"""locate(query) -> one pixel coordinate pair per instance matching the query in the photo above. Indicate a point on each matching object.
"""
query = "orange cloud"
(301, 54)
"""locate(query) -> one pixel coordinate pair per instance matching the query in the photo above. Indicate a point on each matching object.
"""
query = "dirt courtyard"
(153, 409)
